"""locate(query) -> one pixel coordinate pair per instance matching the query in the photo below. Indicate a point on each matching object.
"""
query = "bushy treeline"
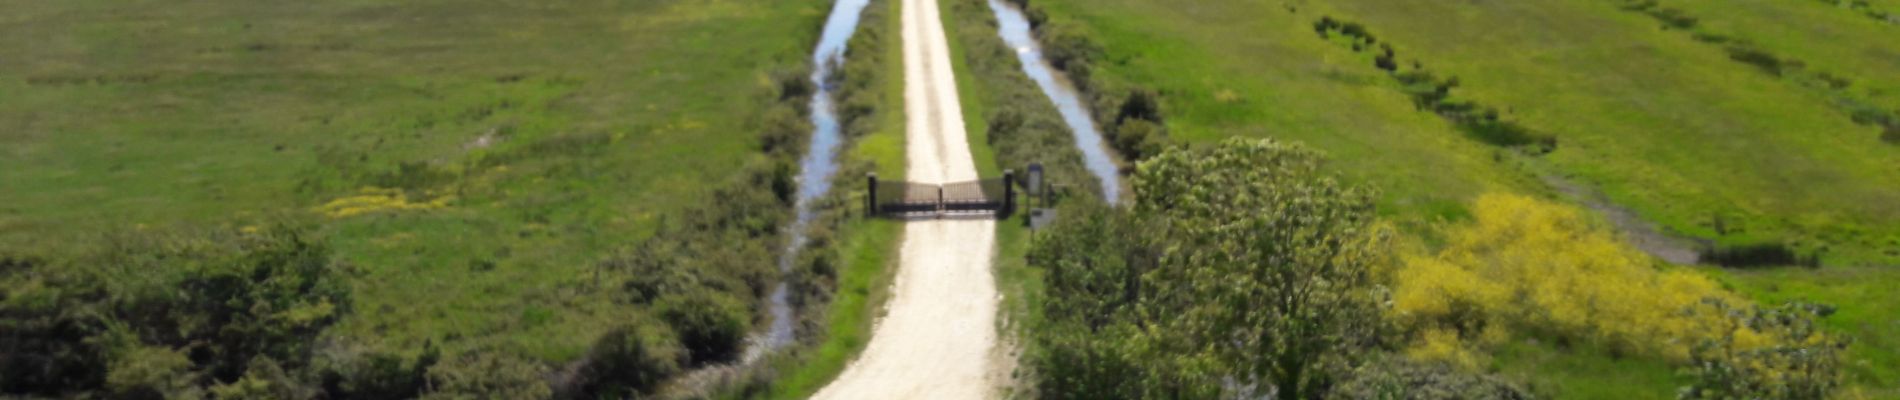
(179, 314)
(1129, 115)
(1241, 270)
(1432, 93)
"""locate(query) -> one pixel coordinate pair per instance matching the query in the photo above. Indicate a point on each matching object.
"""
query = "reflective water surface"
(1014, 28)
(815, 170)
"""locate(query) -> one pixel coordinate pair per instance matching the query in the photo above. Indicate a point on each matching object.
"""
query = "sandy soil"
(938, 337)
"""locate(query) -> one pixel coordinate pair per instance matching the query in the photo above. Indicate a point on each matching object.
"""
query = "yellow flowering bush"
(1540, 266)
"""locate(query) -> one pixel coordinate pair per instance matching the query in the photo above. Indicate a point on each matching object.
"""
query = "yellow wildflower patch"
(373, 200)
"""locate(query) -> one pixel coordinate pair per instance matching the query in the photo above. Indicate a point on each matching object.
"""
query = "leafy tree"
(1094, 261)
(1241, 268)
(46, 313)
(269, 299)
(1270, 271)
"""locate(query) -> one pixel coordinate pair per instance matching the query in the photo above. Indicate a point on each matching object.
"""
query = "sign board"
(1035, 179)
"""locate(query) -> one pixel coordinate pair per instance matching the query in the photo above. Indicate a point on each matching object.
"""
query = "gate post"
(1009, 193)
(870, 203)
(941, 208)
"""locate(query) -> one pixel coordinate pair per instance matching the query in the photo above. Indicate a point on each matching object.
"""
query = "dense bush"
(265, 379)
(631, 359)
(122, 317)
(1760, 59)
(1239, 263)
(1758, 255)
(362, 374)
(1766, 353)
(488, 375)
(1547, 270)
(711, 326)
(1399, 378)
(147, 372)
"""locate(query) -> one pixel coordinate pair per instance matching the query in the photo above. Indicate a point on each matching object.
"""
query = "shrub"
(488, 375)
(265, 379)
(1758, 58)
(1758, 254)
(376, 375)
(711, 326)
(1766, 353)
(1533, 265)
(631, 359)
(146, 372)
(1398, 378)
(784, 131)
(1138, 138)
(1067, 49)
(1140, 104)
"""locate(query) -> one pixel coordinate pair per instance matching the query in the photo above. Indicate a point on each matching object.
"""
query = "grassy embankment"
(865, 249)
(1670, 128)
(471, 164)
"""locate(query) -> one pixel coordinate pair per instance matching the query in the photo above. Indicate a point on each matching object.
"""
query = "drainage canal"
(815, 170)
(1015, 30)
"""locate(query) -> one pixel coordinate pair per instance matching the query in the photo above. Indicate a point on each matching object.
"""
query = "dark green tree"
(1241, 269)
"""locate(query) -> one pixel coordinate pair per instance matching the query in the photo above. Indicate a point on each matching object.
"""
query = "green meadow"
(470, 162)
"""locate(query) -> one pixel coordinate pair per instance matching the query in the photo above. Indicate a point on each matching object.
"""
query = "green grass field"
(1662, 124)
(1659, 122)
(1244, 68)
(525, 140)
(1826, 39)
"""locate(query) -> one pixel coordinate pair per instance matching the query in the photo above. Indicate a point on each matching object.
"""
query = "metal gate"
(901, 198)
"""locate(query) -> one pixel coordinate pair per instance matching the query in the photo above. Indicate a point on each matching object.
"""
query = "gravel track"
(938, 337)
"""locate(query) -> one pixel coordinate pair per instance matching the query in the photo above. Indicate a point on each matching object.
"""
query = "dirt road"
(938, 335)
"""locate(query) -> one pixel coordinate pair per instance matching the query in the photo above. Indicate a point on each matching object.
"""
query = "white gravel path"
(938, 337)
